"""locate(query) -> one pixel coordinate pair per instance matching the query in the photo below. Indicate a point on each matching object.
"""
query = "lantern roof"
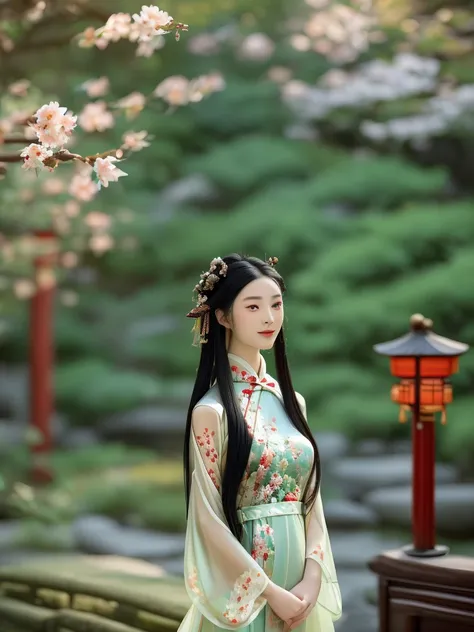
(421, 341)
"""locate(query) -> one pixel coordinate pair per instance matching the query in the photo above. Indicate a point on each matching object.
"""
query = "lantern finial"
(419, 323)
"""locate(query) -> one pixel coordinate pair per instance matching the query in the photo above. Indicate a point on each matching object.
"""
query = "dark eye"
(279, 304)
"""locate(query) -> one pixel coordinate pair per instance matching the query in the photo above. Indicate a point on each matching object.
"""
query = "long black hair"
(214, 365)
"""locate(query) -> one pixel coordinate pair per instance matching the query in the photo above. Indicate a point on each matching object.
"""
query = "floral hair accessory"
(217, 268)
(272, 261)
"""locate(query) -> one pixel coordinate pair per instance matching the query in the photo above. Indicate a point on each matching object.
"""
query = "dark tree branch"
(14, 140)
(10, 158)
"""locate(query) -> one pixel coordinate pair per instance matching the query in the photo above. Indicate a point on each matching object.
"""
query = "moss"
(25, 617)
(84, 622)
(129, 596)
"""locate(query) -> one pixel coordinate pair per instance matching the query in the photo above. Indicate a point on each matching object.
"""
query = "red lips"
(268, 331)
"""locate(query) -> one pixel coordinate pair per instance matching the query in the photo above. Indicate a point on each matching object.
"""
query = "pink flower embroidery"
(206, 441)
(319, 552)
(267, 458)
(212, 476)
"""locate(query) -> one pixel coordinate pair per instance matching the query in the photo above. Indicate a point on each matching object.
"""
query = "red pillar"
(41, 367)
(423, 481)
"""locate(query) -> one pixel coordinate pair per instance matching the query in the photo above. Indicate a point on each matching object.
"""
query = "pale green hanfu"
(225, 578)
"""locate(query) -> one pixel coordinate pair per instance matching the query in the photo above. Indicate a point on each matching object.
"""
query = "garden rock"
(331, 445)
(353, 550)
(149, 426)
(359, 475)
(345, 514)
(454, 507)
(101, 535)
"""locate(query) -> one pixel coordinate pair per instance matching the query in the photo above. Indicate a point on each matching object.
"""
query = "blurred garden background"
(335, 135)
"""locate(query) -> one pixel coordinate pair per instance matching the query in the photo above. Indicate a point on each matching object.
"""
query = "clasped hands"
(293, 606)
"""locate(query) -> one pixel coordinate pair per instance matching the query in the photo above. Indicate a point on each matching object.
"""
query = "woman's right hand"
(284, 604)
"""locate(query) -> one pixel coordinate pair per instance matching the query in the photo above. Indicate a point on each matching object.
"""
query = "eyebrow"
(259, 298)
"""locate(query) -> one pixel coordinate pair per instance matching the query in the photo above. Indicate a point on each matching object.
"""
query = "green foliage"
(35, 534)
(87, 460)
(376, 183)
(244, 107)
(136, 488)
(91, 387)
(456, 439)
(140, 504)
(245, 162)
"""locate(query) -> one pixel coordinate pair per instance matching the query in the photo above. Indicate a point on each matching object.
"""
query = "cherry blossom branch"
(65, 156)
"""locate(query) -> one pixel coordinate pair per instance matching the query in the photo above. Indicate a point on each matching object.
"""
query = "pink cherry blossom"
(54, 125)
(6, 127)
(36, 12)
(69, 122)
(69, 259)
(51, 135)
(116, 27)
(96, 118)
(101, 243)
(151, 20)
(19, 117)
(135, 141)
(96, 87)
(147, 48)
(133, 104)
(203, 44)
(82, 188)
(51, 113)
(19, 88)
(97, 220)
(280, 74)
(173, 90)
(205, 85)
(257, 47)
(91, 37)
(24, 288)
(72, 208)
(106, 170)
(29, 133)
(34, 156)
(53, 186)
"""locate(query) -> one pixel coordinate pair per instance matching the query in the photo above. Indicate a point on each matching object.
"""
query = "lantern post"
(42, 355)
(423, 361)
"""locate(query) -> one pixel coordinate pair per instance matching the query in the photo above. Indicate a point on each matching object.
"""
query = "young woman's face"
(257, 308)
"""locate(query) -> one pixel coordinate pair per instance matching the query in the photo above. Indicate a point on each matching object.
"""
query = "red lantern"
(423, 361)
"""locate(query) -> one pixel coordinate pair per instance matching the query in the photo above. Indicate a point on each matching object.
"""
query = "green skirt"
(274, 534)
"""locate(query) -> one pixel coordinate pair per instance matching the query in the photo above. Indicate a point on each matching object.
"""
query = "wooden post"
(41, 364)
(423, 506)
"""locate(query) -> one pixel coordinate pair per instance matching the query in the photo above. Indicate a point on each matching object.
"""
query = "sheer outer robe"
(222, 579)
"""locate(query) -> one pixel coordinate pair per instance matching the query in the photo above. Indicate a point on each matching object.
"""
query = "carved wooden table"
(425, 594)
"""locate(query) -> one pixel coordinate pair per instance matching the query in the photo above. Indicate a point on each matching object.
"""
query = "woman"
(257, 554)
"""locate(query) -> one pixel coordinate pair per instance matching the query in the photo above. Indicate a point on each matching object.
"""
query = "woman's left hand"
(308, 589)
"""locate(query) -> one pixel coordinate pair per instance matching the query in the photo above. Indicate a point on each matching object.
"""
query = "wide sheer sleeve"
(222, 579)
(318, 548)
